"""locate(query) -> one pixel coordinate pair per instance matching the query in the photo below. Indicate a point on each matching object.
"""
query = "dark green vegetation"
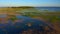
(12, 17)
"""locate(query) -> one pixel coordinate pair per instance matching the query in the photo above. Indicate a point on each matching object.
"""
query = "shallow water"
(18, 27)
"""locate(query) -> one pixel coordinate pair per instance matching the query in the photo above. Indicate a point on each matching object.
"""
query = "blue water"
(49, 8)
(11, 28)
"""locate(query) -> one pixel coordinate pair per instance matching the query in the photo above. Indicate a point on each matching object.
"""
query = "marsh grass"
(31, 12)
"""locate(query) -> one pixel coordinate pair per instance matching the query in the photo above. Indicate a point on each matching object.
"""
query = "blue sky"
(4, 3)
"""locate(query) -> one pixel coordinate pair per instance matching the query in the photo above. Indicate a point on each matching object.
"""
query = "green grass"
(32, 12)
(12, 17)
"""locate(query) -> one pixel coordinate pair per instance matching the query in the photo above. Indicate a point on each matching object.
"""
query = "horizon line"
(30, 6)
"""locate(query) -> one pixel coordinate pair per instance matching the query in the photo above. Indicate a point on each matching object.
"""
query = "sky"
(40, 3)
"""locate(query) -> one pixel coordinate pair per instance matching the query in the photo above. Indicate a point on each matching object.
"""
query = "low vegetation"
(31, 12)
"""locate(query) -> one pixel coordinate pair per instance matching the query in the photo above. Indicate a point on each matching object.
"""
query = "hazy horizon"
(34, 3)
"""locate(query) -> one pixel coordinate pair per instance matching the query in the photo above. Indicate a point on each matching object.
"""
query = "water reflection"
(25, 25)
